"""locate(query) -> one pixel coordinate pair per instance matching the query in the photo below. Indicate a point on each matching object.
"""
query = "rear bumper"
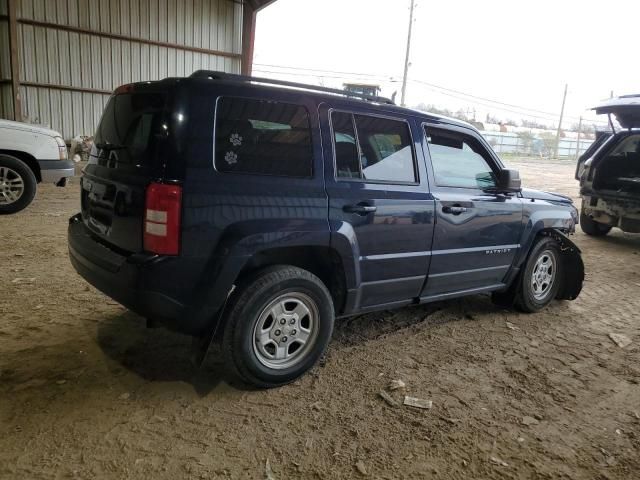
(126, 279)
(623, 212)
(52, 171)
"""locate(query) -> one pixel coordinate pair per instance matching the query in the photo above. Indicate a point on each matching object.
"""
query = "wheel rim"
(11, 186)
(286, 330)
(543, 275)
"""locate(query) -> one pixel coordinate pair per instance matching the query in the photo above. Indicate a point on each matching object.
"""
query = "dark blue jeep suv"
(260, 210)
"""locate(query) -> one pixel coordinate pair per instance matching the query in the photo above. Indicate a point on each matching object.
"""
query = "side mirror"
(508, 181)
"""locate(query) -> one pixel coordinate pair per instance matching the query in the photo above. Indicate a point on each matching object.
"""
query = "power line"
(484, 98)
(307, 75)
(320, 70)
(504, 109)
(337, 74)
(360, 74)
(456, 93)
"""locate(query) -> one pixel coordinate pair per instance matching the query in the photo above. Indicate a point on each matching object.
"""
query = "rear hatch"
(626, 109)
(125, 158)
(601, 138)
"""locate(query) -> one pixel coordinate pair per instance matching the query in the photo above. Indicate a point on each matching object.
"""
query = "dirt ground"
(86, 391)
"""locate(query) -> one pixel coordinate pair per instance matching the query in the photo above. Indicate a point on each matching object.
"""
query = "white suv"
(29, 155)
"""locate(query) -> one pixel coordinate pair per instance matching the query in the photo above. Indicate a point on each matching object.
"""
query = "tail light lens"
(162, 219)
(62, 148)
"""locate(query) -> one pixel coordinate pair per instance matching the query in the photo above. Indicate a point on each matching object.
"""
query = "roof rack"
(214, 75)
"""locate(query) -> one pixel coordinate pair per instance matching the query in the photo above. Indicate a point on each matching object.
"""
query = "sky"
(465, 54)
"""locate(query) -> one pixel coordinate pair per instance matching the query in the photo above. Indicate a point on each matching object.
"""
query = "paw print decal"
(235, 139)
(231, 158)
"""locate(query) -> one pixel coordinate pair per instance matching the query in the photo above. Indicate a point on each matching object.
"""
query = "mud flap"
(573, 266)
(203, 344)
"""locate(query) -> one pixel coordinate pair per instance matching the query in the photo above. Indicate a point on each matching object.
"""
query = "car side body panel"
(474, 246)
(229, 221)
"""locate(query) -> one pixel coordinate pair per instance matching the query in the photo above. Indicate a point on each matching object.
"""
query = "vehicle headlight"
(62, 148)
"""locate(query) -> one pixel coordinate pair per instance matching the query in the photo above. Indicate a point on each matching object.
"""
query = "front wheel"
(541, 278)
(278, 325)
(17, 184)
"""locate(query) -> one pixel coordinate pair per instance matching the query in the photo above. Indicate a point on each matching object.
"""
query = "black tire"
(245, 355)
(593, 228)
(527, 298)
(12, 168)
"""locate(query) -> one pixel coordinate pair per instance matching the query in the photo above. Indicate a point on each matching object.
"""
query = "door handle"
(454, 209)
(360, 209)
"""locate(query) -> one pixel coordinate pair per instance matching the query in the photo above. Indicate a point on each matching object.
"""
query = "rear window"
(630, 144)
(263, 138)
(127, 127)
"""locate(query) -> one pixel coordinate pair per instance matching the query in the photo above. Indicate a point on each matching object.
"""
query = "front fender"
(573, 266)
(541, 216)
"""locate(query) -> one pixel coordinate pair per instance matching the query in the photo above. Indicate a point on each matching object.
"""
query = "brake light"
(162, 219)
(122, 89)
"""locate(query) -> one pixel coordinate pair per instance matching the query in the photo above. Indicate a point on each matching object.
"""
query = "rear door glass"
(263, 138)
(373, 148)
(346, 150)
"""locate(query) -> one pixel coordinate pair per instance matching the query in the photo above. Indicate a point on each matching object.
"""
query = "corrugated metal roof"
(85, 60)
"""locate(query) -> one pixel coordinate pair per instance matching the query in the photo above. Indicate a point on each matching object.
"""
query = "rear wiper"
(110, 146)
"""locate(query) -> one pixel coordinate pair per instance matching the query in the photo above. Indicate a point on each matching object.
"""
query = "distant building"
(363, 88)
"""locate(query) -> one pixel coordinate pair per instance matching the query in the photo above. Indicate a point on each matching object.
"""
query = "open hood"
(626, 109)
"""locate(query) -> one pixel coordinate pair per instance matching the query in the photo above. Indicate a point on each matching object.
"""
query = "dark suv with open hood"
(609, 171)
(256, 211)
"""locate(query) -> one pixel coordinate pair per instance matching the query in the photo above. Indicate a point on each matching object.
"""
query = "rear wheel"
(277, 326)
(17, 184)
(593, 228)
(541, 278)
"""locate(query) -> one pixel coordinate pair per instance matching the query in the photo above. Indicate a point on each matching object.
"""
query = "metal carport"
(61, 59)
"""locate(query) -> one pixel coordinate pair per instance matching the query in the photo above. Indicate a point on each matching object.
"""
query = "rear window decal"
(235, 139)
(231, 158)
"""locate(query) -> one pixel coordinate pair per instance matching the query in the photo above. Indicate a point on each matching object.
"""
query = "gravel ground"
(87, 392)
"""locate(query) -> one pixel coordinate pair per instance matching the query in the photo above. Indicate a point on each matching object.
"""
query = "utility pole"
(578, 142)
(406, 58)
(564, 98)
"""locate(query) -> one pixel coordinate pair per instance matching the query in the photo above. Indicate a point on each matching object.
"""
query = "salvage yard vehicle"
(255, 212)
(609, 172)
(29, 154)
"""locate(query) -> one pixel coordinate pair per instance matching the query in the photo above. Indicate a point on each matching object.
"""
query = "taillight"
(62, 148)
(122, 89)
(162, 219)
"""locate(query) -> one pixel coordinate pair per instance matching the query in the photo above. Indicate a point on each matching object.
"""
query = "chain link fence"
(528, 144)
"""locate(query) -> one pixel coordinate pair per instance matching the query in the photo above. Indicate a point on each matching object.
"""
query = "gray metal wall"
(85, 60)
(6, 99)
